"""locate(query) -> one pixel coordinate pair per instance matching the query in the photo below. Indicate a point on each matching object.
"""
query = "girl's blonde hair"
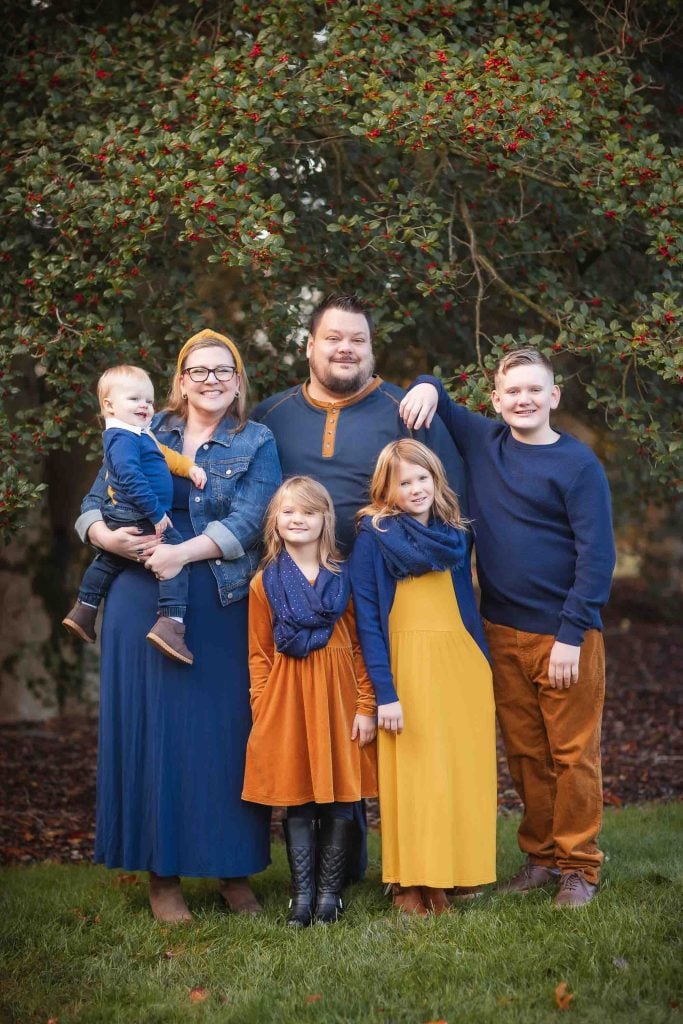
(314, 497)
(175, 402)
(384, 484)
(116, 375)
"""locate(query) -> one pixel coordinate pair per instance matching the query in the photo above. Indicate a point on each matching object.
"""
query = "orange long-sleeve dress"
(300, 748)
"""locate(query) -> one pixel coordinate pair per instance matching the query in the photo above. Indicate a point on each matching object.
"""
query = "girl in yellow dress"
(426, 655)
(311, 745)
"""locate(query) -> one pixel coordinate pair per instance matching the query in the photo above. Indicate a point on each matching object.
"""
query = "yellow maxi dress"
(437, 780)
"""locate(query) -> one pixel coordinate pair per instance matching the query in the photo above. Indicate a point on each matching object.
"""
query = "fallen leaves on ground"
(313, 999)
(198, 995)
(563, 997)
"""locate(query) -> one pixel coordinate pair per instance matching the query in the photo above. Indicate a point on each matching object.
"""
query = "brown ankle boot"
(435, 900)
(81, 622)
(169, 636)
(408, 899)
(238, 896)
(166, 899)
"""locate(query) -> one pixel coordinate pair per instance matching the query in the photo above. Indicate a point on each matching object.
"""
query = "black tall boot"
(300, 835)
(336, 846)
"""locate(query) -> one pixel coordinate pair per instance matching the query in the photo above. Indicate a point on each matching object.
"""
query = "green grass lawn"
(79, 944)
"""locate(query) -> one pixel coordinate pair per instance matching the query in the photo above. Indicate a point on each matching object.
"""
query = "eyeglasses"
(199, 374)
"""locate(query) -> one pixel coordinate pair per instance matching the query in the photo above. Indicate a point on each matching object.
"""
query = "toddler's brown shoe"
(81, 622)
(574, 891)
(169, 636)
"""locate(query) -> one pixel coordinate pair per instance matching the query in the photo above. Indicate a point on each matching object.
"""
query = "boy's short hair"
(113, 376)
(522, 357)
(347, 303)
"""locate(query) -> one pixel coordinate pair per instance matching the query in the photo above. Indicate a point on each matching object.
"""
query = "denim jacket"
(243, 472)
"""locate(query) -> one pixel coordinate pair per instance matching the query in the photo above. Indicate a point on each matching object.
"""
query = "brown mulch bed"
(47, 769)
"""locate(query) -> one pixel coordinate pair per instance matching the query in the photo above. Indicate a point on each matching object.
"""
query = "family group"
(290, 621)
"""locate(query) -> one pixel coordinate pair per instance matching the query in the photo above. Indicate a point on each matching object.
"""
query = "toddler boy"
(545, 556)
(140, 492)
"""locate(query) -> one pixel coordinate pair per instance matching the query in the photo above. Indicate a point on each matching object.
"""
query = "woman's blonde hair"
(315, 498)
(175, 403)
(384, 484)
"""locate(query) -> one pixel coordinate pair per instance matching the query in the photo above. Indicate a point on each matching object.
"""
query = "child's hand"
(162, 526)
(563, 668)
(364, 729)
(390, 716)
(198, 477)
(419, 405)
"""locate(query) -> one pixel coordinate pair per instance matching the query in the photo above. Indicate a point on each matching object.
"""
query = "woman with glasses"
(173, 737)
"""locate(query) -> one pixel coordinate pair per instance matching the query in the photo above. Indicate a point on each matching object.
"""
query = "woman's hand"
(364, 729)
(390, 717)
(126, 541)
(166, 561)
(419, 406)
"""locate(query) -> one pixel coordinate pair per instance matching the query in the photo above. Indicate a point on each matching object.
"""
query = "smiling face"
(210, 397)
(131, 400)
(339, 355)
(524, 396)
(414, 490)
(297, 524)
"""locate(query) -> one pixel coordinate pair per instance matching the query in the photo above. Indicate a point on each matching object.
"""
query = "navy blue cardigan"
(373, 596)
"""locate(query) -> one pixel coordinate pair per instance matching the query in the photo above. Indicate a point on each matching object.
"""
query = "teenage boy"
(540, 504)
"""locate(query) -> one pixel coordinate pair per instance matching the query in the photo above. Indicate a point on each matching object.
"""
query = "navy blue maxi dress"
(173, 737)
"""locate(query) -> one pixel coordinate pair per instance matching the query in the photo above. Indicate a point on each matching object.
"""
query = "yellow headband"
(211, 336)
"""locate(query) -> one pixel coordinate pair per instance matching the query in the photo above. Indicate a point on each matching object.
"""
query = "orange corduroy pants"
(552, 743)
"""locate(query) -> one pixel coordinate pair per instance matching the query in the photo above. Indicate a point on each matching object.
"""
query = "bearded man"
(334, 426)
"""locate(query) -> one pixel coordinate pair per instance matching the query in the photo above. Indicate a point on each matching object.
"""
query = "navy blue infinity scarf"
(411, 549)
(304, 615)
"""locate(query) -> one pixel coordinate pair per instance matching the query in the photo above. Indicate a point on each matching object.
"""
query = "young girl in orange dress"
(425, 651)
(311, 745)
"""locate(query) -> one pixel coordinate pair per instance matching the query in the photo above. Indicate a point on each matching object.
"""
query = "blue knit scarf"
(411, 549)
(304, 615)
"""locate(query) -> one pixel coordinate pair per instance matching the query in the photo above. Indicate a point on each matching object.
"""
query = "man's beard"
(347, 385)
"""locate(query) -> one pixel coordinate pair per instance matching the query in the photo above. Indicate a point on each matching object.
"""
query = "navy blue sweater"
(338, 443)
(374, 590)
(137, 474)
(542, 525)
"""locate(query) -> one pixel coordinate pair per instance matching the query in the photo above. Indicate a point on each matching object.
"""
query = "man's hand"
(419, 406)
(390, 717)
(563, 669)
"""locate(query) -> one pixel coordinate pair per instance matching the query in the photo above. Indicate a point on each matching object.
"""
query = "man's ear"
(555, 396)
(495, 400)
(309, 346)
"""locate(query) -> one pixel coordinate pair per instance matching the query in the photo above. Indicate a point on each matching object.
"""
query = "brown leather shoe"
(166, 899)
(81, 622)
(169, 636)
(466, 892)
(408, 899)
(435, 900)
(532, 876)
(238, 896)
(575, 890)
